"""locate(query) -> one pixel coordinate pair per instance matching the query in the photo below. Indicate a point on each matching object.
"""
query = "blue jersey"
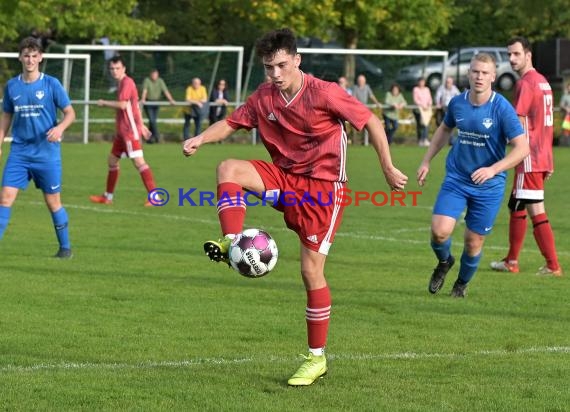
(483, 134)
(34, 112)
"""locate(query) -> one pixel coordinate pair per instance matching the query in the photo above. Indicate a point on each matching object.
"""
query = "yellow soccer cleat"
(313, 367)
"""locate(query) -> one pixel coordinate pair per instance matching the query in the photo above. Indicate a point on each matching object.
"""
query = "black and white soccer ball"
(253, 253)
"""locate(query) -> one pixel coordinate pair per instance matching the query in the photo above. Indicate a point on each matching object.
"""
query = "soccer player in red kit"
(534, 105)
(301, 121)
(129, 131)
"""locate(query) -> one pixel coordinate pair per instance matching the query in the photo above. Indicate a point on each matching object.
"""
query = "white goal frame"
(67, 79)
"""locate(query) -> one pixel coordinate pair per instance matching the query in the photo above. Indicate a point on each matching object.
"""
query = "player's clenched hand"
(422, 173)
(396, 179)
(190, 146)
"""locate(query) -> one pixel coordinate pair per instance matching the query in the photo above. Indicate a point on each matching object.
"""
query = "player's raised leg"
(233, 176)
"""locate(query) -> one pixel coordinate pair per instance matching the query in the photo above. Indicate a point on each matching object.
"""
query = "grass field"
(139, 319)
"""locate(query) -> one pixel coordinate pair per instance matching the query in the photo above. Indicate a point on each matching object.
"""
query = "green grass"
(139, 319)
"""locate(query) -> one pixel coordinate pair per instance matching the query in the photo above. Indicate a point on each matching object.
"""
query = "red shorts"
(126, 147)
(311, 207)
(529, 186)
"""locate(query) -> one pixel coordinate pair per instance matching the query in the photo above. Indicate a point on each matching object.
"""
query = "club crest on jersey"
(487, 122)
(40, 94)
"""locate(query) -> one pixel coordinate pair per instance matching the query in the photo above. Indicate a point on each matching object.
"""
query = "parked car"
(457, 67)
(330, 66)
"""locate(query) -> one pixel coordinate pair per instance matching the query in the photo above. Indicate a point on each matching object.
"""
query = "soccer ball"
(253, 253)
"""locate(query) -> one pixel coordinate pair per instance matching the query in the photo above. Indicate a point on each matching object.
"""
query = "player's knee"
(227, 170)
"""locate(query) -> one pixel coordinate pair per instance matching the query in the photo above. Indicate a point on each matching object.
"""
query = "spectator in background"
(395, 102)
(362, 92)
(196, 97)
(565, 109)
(154, 88)
(220, 97)
(343, 82)
(423, 113)
(443, 96)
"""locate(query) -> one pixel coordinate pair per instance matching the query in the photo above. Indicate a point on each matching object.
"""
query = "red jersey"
(129, 121)
(304, 136)
(534, 101)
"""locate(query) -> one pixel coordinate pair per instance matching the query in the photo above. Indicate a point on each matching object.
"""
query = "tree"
(76, 20)
(386, 24)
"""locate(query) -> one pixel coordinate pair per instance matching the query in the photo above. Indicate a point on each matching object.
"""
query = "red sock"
(545, 240)
(112, 178)
(231, 208)
(317, 316)
(517, 233)
(147, 177)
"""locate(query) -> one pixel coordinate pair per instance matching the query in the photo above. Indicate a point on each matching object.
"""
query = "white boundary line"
(274, 359)
(354, 235)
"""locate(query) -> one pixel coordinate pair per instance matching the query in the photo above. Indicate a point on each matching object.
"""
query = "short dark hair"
(272, 42)
(522, 40)
(117, 59)
(30, 43)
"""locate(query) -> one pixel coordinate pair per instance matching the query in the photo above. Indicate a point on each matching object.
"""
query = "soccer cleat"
(439, 273)
(148, 204)
(459, 289)
(504, 266)
(100, 199)
(63, 253)
(218, 251)
(313, 367)
(546, 271)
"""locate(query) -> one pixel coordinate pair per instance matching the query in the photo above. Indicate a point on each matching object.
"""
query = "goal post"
(57, 65)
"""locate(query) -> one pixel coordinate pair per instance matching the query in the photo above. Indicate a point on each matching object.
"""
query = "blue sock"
(469, 265)
(4, 219)
(60, 223)
(442, 250)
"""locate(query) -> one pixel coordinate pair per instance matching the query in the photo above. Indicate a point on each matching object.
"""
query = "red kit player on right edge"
(534, 105)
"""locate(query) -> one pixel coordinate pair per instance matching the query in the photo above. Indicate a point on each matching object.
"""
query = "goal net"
(75, 81)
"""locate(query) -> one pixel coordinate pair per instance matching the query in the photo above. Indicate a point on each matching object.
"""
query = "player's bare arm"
(520, 150)
(55, 134)
(439, 140)
(215, 133)
(114, 104)
(394, 177)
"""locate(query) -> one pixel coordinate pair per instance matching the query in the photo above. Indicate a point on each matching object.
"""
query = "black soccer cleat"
(63, 253)
(459, 289)
(439, 273)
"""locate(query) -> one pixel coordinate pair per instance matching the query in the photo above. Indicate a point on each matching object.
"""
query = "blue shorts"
(482, 203)
(46, 175)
